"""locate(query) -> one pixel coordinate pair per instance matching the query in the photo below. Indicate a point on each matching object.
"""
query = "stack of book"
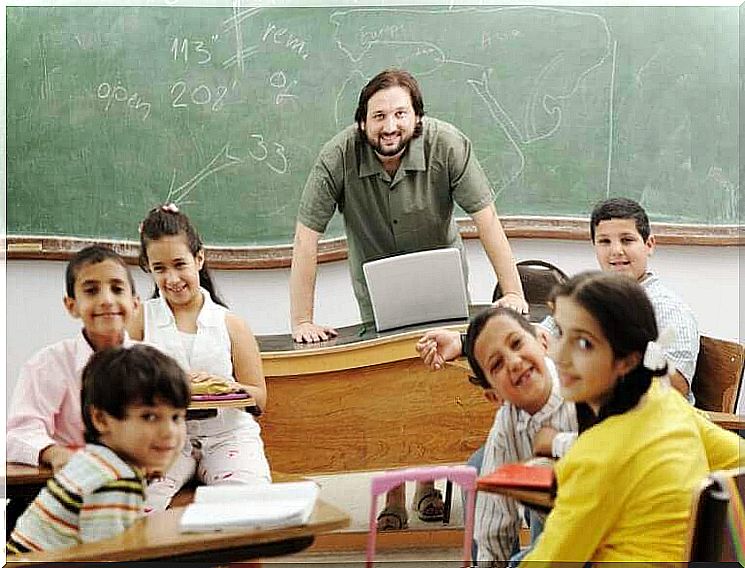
(256, 507)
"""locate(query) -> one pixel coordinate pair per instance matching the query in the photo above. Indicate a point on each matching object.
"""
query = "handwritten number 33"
(263, 153)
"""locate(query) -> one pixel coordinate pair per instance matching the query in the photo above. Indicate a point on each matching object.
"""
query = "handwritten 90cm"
(119, 94)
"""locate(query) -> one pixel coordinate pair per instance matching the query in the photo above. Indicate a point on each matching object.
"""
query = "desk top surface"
(541, 499)
(157, 536)
(361, 333)
(236, 403)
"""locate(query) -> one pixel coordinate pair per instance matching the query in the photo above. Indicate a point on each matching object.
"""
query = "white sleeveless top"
(210, 351)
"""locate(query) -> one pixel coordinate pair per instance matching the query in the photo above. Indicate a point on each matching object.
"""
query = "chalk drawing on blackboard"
(526, 106)
(611, 110)
(222, 160)
(46, 85)
(239, 15)
(240, 56)
(233, 23)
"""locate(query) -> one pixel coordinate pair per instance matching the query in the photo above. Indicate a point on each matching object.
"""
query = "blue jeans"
(536, 528)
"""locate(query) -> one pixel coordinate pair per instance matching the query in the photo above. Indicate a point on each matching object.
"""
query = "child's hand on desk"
(56, 456)
(439, 345)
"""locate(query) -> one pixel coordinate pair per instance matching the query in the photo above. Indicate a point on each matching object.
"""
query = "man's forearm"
(498, 250)
(303, 275)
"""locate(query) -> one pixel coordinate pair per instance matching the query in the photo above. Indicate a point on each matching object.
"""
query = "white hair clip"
(654, 356)
(169, 207)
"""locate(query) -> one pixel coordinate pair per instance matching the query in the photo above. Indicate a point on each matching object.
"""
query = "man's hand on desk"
(308, 332)
(56, 456)
(439, 345)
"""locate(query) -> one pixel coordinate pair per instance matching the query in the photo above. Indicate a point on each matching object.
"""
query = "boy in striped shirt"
(134, 403)
(508, 358)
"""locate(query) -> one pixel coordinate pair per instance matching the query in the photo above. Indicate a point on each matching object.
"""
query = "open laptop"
(419, 287)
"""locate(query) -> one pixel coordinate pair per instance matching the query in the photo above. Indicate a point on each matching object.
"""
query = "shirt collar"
(555, 400)
(413, 158)
(208, 315)
(115, 461)
(83, 350)
(649, 278)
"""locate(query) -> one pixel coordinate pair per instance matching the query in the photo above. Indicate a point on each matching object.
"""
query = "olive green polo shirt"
(409, 213)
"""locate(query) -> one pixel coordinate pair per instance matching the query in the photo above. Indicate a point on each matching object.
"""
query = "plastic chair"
(464, 476)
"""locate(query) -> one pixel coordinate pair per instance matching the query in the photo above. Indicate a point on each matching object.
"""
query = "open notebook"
(419, 287)
(235, 507)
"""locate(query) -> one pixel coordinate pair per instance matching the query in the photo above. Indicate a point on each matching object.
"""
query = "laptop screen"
(415, 288)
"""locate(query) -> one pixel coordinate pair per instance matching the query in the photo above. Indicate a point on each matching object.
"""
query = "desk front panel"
(376, 416)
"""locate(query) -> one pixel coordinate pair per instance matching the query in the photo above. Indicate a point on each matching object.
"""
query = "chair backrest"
(716, 382)
(538, 278)
(713, 534)
(463, 475)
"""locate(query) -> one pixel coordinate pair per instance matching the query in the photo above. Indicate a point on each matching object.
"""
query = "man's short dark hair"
(385, 80)
(92, 254)
(117, 378)
(620, 208)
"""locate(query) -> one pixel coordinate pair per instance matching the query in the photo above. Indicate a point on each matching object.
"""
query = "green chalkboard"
(112, 110)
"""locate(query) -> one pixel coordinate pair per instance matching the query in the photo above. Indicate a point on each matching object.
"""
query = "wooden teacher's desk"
(365, 401)
(157, 537)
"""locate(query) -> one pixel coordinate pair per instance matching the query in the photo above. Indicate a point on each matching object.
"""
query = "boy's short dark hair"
(117, 378)
(92, 254)
(620, 208)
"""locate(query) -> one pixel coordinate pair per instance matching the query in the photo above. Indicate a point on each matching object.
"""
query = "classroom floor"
(351, 493)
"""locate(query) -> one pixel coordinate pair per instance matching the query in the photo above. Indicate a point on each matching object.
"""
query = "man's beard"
(387, 152)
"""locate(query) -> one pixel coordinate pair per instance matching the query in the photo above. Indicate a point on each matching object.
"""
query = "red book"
(519, 476)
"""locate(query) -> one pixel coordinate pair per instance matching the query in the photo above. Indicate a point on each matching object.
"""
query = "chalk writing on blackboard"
(227, 108)
(554, 75)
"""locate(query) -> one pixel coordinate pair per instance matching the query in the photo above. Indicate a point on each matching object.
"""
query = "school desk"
(365, 401)
(210, 404)
(727, 421)
(157, 538)
(540, 499)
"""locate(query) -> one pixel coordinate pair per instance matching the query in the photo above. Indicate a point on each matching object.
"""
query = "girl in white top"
(189, 322)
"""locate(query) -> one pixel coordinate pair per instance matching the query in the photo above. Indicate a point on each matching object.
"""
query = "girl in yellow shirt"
(625, 487)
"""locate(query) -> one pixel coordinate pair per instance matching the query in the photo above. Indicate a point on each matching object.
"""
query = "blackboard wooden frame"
(257, 257)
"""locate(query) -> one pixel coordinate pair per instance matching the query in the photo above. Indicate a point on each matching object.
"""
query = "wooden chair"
(716, 382)
(710, 537)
